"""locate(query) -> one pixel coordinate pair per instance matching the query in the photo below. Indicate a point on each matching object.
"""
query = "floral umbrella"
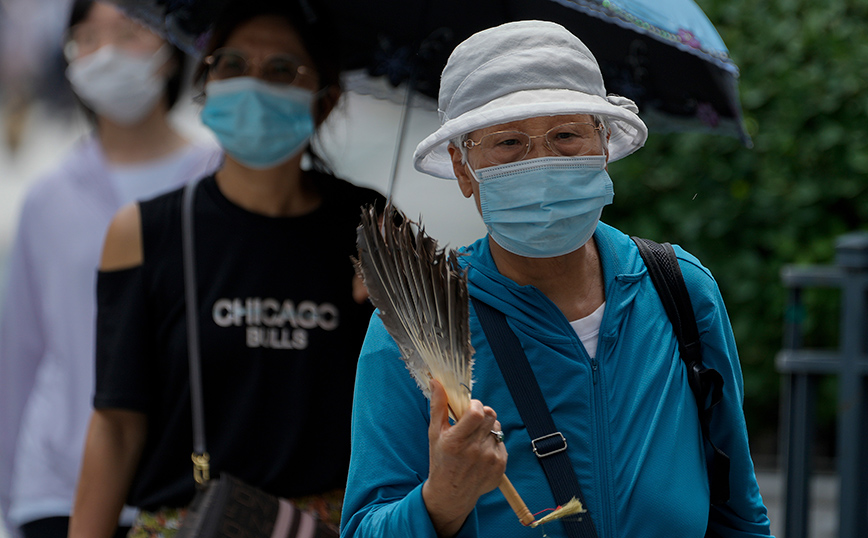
(663, 54)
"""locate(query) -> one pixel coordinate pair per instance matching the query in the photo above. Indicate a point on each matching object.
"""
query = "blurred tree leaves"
(747, 212)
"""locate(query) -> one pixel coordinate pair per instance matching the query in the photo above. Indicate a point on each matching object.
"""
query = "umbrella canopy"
(663, 54)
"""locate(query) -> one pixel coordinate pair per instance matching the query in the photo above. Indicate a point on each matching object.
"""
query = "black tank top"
(280, 336)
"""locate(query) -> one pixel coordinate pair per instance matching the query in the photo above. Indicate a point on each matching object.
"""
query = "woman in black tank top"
(281, 313)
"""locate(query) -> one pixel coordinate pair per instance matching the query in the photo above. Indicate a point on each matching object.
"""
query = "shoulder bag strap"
(706, 383)
(201, 470)
(548, 443)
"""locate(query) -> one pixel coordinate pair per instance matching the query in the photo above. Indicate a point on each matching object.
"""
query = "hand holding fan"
(421, 294)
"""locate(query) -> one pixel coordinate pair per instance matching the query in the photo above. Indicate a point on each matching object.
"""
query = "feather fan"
(421, 295)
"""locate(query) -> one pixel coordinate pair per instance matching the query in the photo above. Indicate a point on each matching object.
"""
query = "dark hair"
(80, 11)
(311, 22)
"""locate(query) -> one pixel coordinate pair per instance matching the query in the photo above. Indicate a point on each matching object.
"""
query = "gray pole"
(798, 396)
(852, 258)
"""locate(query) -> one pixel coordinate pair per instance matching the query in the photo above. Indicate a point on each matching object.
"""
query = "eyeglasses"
(567, 140)
(86, 38)
(276, 68)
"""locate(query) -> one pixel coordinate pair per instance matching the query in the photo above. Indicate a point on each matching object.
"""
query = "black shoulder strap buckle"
(547, 445)
(706, 383)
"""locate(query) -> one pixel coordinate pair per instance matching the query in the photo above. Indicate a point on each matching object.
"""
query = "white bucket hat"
(522, 70)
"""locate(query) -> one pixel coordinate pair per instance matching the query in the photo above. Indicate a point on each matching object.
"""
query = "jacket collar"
(621, 262)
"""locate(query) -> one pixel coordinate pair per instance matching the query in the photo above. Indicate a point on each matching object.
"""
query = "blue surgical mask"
(258, 124)
(546, 207)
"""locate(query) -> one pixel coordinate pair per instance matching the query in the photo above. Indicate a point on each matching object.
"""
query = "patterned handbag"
(229, 508)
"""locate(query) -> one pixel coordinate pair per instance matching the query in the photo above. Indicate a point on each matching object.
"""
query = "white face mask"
(121, 86)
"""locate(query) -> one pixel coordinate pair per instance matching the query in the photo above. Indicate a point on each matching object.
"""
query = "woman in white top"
(128, 79)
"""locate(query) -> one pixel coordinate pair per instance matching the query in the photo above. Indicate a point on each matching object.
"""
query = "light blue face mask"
(258, 124)
(546, 207)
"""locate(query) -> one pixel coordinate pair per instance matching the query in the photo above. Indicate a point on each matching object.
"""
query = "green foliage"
(748, 212)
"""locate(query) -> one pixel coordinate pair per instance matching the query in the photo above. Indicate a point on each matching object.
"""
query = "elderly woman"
(527, 130)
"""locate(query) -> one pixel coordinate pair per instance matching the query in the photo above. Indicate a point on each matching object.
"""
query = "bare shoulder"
(123, 241)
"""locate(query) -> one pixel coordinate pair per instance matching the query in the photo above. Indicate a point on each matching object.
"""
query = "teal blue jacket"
(628, 415)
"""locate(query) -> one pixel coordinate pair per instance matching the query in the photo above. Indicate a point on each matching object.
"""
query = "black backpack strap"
(706, 383)
(548, 443)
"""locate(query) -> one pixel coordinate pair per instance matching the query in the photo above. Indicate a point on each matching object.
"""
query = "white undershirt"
(588, 329)
(144, 180)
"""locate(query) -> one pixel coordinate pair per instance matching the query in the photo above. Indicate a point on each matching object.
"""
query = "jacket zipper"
(602, 456)
(601, 459)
